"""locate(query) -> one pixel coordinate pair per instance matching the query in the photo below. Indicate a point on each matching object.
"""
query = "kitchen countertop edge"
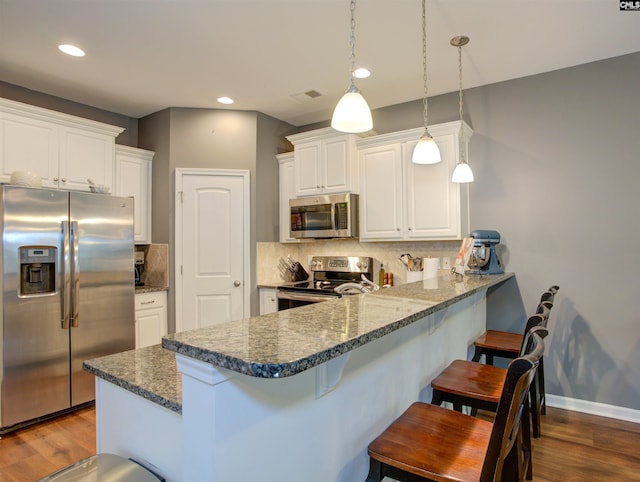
(150, 289)
(149, 372)
(409, 294)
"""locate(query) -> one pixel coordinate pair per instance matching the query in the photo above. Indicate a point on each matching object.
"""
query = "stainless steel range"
(332, 277)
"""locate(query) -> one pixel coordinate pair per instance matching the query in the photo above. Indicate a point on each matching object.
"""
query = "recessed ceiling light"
(225, 100)
(71, 50)
(361, 73)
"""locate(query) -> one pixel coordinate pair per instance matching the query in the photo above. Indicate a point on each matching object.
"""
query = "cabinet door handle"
(409, 229)
(56, 179)
(236, 283)
(398, 229)
(148, 302)
(64, 180)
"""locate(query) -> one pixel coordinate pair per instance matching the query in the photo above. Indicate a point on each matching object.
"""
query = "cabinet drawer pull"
(148, 302)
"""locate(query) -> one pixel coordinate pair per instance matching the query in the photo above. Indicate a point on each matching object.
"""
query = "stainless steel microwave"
(333, 216)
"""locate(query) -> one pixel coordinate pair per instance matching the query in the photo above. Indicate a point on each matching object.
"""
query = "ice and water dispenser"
(37, 270)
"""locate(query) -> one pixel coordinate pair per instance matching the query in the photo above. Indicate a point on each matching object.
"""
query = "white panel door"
(212, 239)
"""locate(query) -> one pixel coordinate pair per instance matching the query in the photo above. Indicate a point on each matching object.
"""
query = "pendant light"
(426, 150)
(462, 173)
(352, 113)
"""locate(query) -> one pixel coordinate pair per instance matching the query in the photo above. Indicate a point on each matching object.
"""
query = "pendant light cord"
(352, 40)
(424, 61)
(461, 136)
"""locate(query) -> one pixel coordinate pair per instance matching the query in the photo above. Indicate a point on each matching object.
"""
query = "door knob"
(236, 283)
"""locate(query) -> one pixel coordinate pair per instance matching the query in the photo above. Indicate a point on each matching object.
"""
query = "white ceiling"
(146, 55)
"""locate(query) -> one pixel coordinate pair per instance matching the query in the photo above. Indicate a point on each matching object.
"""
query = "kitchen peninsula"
(289, 396)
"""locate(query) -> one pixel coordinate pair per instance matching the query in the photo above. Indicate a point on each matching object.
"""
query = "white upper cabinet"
(381, 203)
(85, 155)
(325, 162)
(133, 179)
(404, 201)
(64, 150)
(286, 170)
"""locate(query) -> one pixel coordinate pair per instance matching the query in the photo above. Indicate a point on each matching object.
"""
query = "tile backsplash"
(269, 254)
(156, 265)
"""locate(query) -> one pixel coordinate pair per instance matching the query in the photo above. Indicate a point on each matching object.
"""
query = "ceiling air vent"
(307, 96)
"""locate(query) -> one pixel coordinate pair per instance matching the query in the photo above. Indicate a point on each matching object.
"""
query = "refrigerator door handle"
(66, 274)
(75, 275)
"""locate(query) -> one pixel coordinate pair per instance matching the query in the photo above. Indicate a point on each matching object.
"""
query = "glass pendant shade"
(426, 151)
(462, 173)
(352, 113)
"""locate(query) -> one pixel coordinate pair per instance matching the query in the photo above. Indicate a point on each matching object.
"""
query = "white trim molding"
(594, 408)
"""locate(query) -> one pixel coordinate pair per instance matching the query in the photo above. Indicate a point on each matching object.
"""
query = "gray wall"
(556, 159)
(557, 163)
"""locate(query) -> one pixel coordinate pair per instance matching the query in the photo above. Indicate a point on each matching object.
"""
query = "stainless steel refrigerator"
(67, 296)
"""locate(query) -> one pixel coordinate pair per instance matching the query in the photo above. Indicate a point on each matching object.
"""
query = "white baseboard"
(593, 408)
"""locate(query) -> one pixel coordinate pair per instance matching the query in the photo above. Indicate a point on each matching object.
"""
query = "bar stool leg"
(375, 471)
(543, 398)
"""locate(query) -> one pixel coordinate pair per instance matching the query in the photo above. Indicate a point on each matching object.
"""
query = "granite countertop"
(288, 342)
(284, 343)
(150, 289)
(149, 372)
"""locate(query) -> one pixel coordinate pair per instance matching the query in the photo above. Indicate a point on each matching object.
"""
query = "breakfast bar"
(289, 396)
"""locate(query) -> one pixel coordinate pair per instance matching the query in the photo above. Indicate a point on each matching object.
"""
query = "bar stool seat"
(476, 385)
(463, 380)
(497, 343)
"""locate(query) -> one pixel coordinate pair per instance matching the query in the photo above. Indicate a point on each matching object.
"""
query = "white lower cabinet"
(401, 201)
(151, 318)
(268, 301)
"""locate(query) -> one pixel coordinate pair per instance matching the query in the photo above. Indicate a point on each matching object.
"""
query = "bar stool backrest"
(506, 427)
(533, 322)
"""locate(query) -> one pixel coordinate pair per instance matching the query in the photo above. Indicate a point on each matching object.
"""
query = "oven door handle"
(290, 295)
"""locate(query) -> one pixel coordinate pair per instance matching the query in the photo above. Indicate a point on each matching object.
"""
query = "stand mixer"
(484, 259)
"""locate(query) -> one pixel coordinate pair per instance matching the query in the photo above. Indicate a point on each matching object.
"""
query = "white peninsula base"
(313, 426)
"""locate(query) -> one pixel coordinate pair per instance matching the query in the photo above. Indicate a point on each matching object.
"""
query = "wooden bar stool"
(428, 442)
(504, 344)
(496, 343)
(476, 385)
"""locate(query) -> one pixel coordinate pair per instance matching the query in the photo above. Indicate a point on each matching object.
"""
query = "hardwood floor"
(574, 447)
(580, 447)
(33, 452)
